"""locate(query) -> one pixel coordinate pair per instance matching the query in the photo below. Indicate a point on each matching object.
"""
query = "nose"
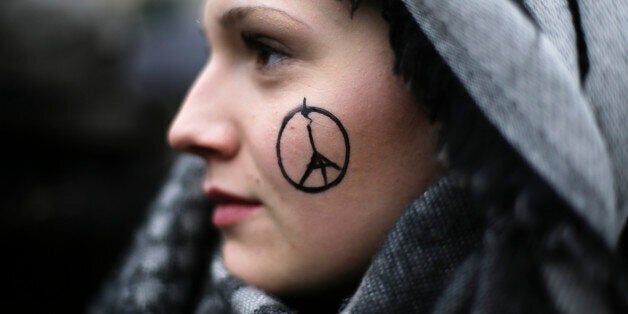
(203, 125)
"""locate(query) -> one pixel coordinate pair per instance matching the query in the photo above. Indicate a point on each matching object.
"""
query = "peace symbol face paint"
(329, 144)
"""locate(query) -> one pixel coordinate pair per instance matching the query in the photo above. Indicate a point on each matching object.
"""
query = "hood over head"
(551, 77)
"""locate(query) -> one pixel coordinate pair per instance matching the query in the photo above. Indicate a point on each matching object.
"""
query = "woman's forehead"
(306, 12)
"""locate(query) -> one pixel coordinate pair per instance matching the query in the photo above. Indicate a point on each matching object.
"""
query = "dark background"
(87, 90)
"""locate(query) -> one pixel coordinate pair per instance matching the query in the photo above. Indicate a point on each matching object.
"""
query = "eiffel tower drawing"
(318, 160)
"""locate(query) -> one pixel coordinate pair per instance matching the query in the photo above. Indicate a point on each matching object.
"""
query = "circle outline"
(345, 135)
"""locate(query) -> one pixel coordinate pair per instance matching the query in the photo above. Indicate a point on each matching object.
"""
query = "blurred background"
(87, 90)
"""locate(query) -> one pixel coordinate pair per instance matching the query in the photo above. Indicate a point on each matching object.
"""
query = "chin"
(254, 268)
(281, 277)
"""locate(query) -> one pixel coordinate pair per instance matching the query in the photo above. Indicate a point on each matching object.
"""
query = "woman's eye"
(267, 53)
(269, 57)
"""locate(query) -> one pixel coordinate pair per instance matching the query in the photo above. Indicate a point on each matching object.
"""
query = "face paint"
(320, 172)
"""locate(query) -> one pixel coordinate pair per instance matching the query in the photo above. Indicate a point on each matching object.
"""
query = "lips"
(230, 208)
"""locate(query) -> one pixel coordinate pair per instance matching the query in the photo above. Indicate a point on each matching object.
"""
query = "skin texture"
(303, 242)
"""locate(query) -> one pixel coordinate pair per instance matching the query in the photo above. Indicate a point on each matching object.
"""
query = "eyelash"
(267, 56)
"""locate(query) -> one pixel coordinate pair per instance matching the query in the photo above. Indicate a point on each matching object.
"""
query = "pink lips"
(230, 209)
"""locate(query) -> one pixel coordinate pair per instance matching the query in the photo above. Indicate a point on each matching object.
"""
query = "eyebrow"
(238, 14)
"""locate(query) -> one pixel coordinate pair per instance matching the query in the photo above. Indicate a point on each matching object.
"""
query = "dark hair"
(523, 215)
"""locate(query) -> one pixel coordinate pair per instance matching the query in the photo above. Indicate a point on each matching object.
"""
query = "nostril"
(209, 139)
(219, 138)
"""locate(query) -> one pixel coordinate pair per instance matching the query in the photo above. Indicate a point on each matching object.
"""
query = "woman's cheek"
(307, 153)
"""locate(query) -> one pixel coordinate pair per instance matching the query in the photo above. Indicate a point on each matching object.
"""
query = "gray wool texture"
(158, 273)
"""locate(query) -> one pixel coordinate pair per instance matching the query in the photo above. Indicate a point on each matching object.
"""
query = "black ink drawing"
(318, 161)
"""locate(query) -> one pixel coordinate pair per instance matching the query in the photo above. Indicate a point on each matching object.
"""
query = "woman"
(458, 182)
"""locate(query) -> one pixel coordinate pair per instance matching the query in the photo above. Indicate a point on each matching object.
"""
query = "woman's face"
(313, 146)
